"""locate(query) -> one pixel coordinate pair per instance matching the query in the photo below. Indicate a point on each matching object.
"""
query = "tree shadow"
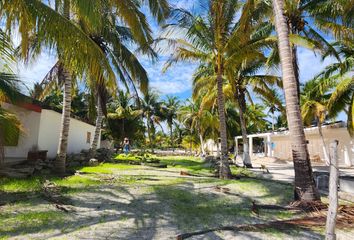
(141, 211)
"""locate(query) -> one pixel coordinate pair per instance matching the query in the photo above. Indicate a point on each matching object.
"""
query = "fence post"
(333, 192)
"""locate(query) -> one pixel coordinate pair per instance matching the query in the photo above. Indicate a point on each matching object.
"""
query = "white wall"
(30, 122)
(282, 148)
(50, 129)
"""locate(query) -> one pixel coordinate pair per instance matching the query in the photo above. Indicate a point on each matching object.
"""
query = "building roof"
(338, 124)
(35, 105)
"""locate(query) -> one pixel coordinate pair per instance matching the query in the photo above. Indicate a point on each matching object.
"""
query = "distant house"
(41, 129)
(278, 144)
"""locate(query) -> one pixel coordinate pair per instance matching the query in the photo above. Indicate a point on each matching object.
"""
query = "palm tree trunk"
(59, 164)
(2, 150)
(295, 62)
(224, 171)
(273, 118)
(149, 133)
(296, 69)
(327, 155)
(242, 108)
(202, 144)
(171, 137)
(98, 126)
(305, 188)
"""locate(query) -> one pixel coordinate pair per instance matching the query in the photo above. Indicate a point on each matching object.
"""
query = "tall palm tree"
(240, 83)
(170, 109)
(207, 39)
(45, 31)
(123, 113)
(151, 111)
(199, 121)
(305, 188)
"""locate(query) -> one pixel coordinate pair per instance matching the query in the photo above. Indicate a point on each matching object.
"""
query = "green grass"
(25, 222)
(191, 209)
(106, 168)
(20, 185)
(77, 181)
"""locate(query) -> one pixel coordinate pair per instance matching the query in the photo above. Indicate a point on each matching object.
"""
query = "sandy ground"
(145, 210)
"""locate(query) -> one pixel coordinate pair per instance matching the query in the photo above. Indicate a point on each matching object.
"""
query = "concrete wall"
(29, 138)
(50, 129)
(282, 147)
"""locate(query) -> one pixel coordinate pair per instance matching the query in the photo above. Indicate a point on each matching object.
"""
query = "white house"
(278, 144)
(41, 129)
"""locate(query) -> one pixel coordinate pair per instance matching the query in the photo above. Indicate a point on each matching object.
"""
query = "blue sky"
(177, 80)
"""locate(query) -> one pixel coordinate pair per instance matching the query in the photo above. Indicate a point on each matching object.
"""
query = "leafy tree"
(169, 112)
(40, 22)
(207, 39)
(124, 119)
(151, 111)
(342, 98)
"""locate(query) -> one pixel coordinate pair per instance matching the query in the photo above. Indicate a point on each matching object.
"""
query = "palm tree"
(151, 111)
(10, 126)
(169, 111)
(314, 98)
(274, 103)
(199, 121)
(305, 188)
(343, 95)
(206, 41)
(129, 13)
(240, 83)
(123, 114)
(305, 20)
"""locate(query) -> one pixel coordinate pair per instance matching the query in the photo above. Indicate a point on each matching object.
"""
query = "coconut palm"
(199, 121)
(169, 112)
(305, 188)
(342, 97)
(274, 103)
(128, 12)
(207, 38)
(240, 83)
(151, 111)
(10, 126)
(123, 115)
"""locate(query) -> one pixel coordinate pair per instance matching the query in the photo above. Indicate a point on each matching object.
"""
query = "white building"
(278, 144)
(41, 129)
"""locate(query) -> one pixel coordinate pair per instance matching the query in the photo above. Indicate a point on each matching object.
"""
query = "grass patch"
(106, 168)
(192, 210)
(77, 181)
(20, 185)
(241, 171)
(27, 222)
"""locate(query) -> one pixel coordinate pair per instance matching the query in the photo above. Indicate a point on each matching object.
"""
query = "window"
(88, 137)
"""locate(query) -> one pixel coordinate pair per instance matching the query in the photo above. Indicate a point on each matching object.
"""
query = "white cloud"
(36, 71)
(177, 79)
(311, 64)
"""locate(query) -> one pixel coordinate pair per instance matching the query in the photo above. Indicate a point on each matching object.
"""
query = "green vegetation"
(142, 194)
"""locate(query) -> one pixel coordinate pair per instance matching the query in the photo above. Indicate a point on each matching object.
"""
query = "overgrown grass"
(190, 202)
(15, 223)
(77, 181)
(20, 185)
